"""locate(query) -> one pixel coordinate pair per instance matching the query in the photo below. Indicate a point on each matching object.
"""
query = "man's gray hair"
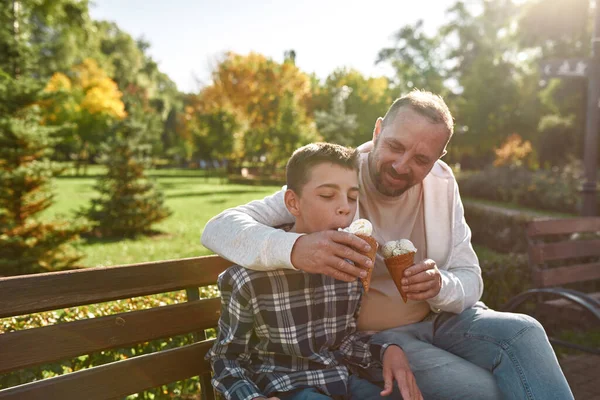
(429, 105)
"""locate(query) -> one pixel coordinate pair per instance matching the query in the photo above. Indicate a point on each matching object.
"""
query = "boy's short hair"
(306, 157)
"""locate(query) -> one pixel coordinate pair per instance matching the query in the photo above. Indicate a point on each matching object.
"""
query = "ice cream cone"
(396, 265)
(366, 281)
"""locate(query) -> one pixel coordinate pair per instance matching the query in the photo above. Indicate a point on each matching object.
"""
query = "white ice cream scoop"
(397, 247)
(359, 227)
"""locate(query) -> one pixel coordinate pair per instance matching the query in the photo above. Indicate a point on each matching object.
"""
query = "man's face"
(327, 201)
(405, 151)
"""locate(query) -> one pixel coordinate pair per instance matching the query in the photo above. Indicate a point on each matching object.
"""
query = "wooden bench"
(28, 294)
(564, 252)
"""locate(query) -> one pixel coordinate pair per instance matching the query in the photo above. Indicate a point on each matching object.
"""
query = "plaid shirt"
(285, 330)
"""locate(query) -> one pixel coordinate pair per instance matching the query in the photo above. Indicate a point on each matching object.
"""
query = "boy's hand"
(396, 366)
(327, 253)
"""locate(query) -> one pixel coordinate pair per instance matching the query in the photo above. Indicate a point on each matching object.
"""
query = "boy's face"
(327, 201)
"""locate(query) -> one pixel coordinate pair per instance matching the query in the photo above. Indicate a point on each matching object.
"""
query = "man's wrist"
(293, 238)
(439, 298)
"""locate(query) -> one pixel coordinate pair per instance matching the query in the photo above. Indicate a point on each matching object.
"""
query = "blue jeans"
(479, 354)
(360, 389)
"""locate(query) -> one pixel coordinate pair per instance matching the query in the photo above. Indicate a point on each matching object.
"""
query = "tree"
(90, 101)
(129, 204)
(369, 98)
(213, 135)
(555, 29)
(559, 28)
(137, 75)
(337, 126)
(40, 37)
(29, 244)
(496, 93)
(292, 130)
(416, 60)
(268, 100)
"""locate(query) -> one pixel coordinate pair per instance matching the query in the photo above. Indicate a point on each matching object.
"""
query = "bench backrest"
(28, 294)
(563, 251)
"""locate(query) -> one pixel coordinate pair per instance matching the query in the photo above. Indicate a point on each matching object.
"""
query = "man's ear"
(291, 200)
(378, 128)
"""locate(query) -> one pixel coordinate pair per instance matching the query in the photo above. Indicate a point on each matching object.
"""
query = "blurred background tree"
(89, 101)
(336, 125)
(128, 203)
(28, 243)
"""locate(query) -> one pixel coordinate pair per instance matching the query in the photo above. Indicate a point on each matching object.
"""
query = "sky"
(187, 37)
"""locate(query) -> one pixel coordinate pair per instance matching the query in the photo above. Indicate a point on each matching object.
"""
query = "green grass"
(193, 199)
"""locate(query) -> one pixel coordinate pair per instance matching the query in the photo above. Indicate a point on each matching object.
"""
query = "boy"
(290, 334)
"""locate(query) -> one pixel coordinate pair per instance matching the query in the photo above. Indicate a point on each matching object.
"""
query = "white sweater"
(244, 235)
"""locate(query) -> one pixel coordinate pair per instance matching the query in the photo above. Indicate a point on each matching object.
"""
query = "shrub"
(558, 140)
(556, 189)
(497, 228)
(504, 276)
(183, 389)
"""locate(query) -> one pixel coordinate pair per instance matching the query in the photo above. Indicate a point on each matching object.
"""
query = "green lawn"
(192, 198)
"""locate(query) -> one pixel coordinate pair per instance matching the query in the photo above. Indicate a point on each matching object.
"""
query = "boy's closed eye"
(331, 196)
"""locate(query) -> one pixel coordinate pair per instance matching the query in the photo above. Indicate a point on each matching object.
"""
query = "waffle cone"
(396, 266)
(366, 281)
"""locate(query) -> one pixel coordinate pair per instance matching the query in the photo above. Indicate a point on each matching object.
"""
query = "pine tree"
(27, 244)
(129, 203)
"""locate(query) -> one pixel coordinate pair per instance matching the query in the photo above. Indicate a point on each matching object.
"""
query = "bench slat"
(30, 347)
(28, 294)
(564, 275)
(540, 253)
(120, 378)
(563, 226)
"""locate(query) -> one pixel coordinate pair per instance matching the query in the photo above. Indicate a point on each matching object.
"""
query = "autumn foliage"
(88, 101)
(514, 151)
(262, 106)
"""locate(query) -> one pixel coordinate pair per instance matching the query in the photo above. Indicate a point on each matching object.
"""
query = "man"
(454, 346)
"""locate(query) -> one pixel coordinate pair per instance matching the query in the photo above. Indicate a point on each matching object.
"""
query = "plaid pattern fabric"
(285, 330)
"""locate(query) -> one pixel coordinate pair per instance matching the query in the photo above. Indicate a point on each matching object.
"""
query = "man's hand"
(422, 281)
(328, 253)
(396, 366)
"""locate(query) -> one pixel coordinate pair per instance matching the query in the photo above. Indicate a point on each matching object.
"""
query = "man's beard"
(376, 177)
